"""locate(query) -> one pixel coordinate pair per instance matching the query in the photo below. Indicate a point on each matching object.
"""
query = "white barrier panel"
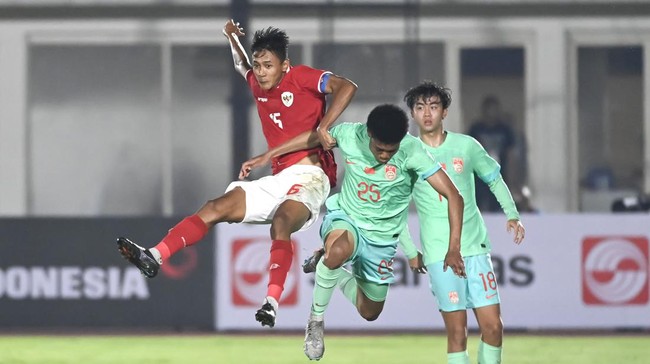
(573, 271)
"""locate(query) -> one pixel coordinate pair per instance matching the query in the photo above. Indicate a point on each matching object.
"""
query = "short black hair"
(426, 90)
(388, 123)
(273, 40)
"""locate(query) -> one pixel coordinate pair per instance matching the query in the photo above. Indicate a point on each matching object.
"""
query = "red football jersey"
(294, 106)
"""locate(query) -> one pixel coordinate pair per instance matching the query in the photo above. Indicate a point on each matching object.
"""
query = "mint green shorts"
(372, 261)
(453, 293)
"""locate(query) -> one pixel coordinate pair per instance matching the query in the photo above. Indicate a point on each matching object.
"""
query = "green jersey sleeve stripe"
(430, 172)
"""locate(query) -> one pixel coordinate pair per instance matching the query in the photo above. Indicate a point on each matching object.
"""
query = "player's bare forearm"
(441, 182)
(232, 31)
(255, 162)
(455, 209)
(305, 140)
(453, 258)
(342, 91)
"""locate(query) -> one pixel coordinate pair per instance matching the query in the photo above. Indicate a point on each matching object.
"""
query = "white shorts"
(303, 183)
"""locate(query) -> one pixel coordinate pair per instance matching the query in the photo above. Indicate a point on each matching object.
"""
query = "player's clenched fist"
(326, 139)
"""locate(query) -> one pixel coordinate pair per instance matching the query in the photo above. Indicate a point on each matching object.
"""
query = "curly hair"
(388, 123)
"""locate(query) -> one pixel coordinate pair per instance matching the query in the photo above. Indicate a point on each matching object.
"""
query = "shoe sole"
(304, 348)
(265, 318)
(131, 252)
(316, 359)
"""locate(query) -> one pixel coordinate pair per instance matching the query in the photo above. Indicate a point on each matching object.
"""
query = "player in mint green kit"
(364, 220)
(462, 157)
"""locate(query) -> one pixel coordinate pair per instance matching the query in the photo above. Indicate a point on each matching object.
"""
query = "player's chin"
(264, 85)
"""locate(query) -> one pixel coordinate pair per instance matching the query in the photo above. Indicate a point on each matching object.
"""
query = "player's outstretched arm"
(305, 140)
(255, 162)
(441, 182)
(342, 91)
(302, 141)
(232, 31)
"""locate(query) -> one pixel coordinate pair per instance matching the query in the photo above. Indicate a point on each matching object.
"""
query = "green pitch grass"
(287, 349)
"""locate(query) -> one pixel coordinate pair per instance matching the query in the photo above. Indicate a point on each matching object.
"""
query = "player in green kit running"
(462, 157)
(364, 220)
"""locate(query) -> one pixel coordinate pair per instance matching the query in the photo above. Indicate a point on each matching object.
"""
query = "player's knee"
(216, 211)
(335, 257)
(493, 329)
(210, 210)
(282, 225)
(370, 315)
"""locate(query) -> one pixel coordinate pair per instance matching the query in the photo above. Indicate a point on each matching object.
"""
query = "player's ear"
(444, 113)
(285, 65)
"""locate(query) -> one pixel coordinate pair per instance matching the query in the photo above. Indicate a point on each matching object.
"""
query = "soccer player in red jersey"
(290, 100)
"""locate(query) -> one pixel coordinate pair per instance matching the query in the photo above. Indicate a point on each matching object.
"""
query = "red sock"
(187, 232)
(281, 259)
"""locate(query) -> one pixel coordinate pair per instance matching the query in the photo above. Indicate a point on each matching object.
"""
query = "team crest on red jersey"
(287, 98)
(391, 172)
(458, 165)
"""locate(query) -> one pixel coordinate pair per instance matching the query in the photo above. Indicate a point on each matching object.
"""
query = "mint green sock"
(488, 354)
(461, 357)
(348, 285)
(326, 280)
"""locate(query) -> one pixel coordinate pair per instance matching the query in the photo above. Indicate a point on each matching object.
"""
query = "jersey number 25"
(368, 192)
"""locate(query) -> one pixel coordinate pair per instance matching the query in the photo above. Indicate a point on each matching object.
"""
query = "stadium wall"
(67, 274)
(31, 131)
(573, 272)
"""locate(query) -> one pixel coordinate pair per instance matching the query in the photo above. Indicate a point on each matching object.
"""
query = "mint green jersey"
(462, 157)
(377, 195)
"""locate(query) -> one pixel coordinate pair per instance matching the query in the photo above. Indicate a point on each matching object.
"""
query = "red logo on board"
(615, 270)
(249, 273)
